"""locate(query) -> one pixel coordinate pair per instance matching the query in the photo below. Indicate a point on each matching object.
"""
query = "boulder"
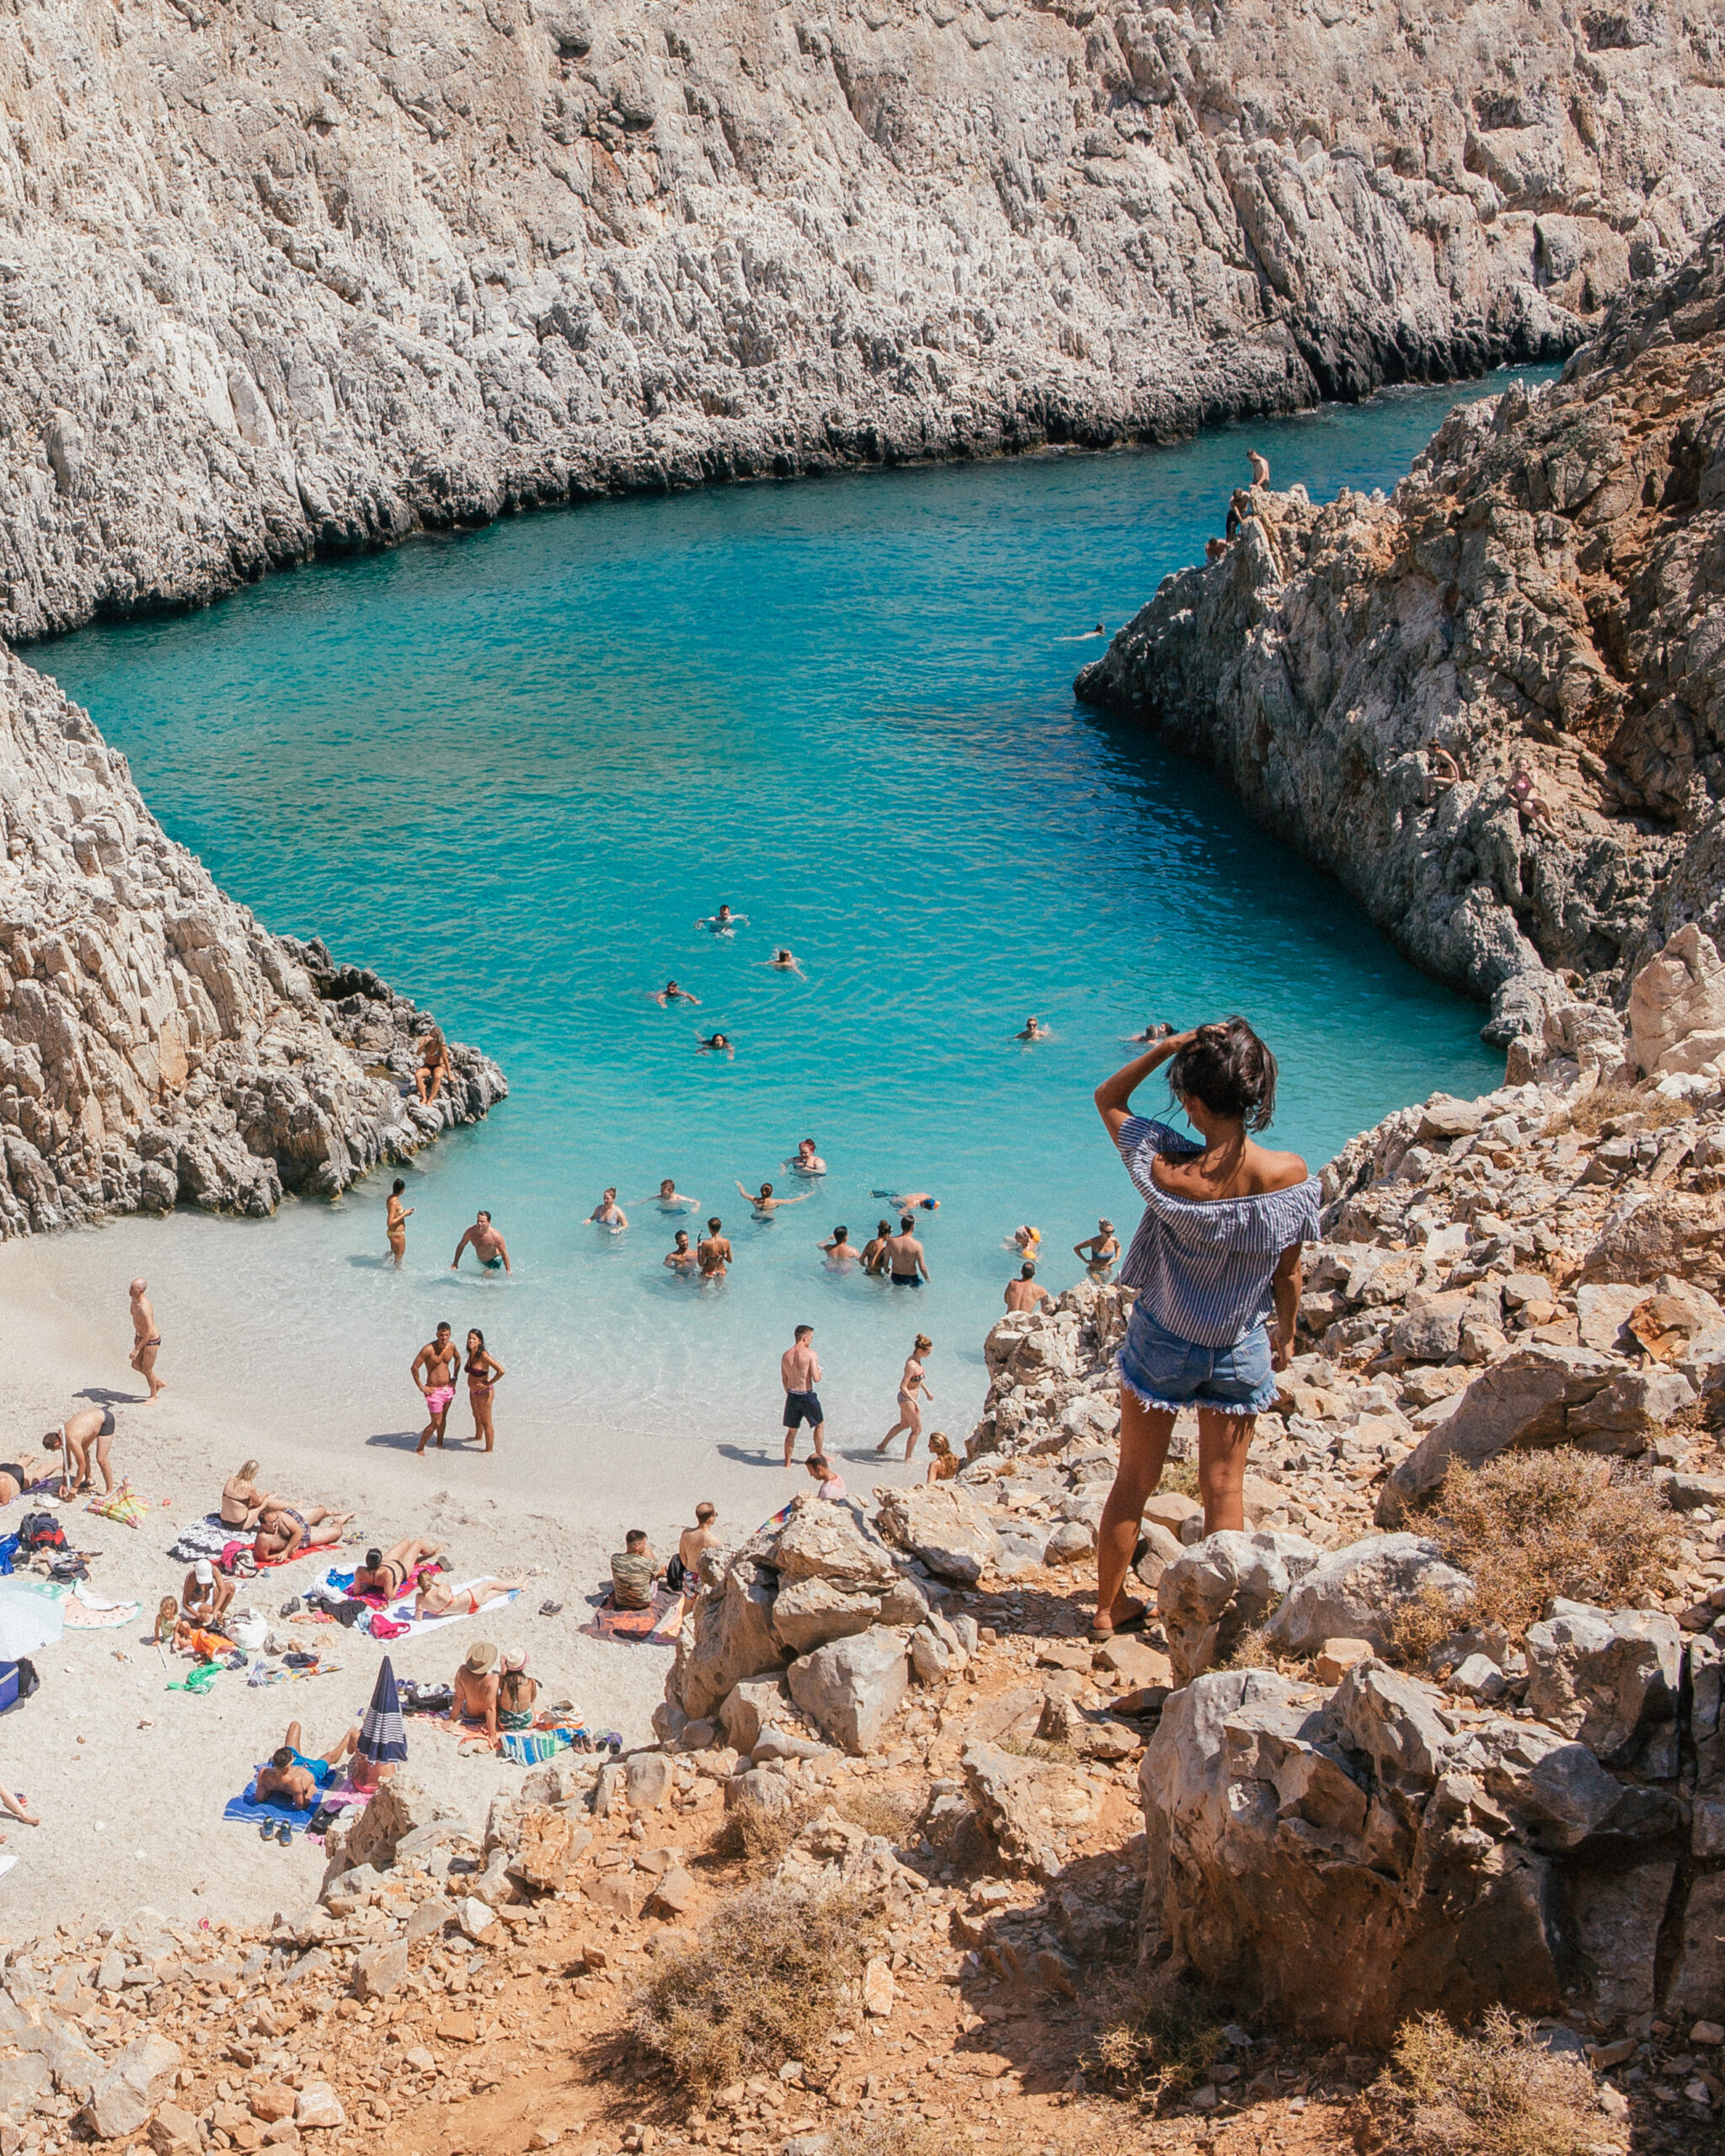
(1605, 1676)
(377, 1970)
(727, 1635)
(317, 2106)
(397, 1808)
(547, 1842)
(1027, 1805)
(810, 1612)
(1630, 1412)
(22, 2081)
(174, 2132)
(1222, 1586)
(851, 1688)
(771, 1792)
(1072, 1542)
(131, 2086)
(1677, 1005)
(942, 1526)
(1649, 1233)
(648, 1779)
(1526, 1400)
(1354, 1593)
(749, 1707)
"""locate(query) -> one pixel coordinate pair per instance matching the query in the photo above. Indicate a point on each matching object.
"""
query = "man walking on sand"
(488, 1247)
(799, 1372)
(434, 1372)
(146, 1341)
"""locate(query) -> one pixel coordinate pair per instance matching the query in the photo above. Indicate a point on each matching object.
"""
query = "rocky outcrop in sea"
(1542, 595)
(157, 1046)
(273, 281)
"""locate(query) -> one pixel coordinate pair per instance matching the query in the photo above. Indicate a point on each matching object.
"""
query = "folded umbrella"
(383, 1734)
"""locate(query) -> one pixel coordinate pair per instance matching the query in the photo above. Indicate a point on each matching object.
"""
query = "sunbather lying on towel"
(292, 1778)
(435, 1599)
(285, 1530)
(387, 1572)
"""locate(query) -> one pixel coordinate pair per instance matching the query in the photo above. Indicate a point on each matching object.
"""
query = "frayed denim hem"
(1260, 1404)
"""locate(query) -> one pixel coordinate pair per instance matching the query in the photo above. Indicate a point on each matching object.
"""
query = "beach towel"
(337, 1584)
(123, 1504)
(30, 1617)
(208, 1537)
(532, 1747)
(92, 1613)
(383, 1735)
(611, 1623)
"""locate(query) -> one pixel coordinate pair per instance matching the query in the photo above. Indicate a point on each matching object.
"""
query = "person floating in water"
(395, 1218)
(1034, 1030)
(909, 1201)
(680, 1258)
(765, 1204)
(785, 962)
(1088, 636)
(806, 1161)
(670, 1199)
(725, 922)
(716, 1044)
(1099, 1251)
(840, 1252)
(488, 1246)
(1026, 1240)
(671, 993)
(608, 1214)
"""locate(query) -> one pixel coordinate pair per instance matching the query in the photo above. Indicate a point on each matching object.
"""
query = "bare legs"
(910, 1419)
(481, 1403)
(1223, 1443)
(144, 1361)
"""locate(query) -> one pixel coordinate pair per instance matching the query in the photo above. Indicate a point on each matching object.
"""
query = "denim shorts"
(1161, 1370)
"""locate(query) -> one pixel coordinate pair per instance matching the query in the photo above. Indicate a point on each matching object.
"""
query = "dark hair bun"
(1230, 1069)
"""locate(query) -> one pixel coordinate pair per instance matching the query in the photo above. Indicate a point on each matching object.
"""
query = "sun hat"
(480, 1657)
(203, 1572)
(516, 1658)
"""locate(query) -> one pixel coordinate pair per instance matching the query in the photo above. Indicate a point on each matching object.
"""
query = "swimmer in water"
(670, 1199)
(1034, 1030)
(1099, 1251)
(488, 1246)
(806, 1161)
(714, 1250)
(765, 1204)
(840, 1252)
(785, 962)
(725, 922)
(1086, 636)
(908, 1201)
(1026, 1240)
(716, 1044)
(1158, 1029)
(608, 1214)
(874, 1249)
(680, 1258)
(671, 993)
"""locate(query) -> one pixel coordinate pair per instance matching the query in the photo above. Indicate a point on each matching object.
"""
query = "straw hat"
(480, 1657)
(516, 1658)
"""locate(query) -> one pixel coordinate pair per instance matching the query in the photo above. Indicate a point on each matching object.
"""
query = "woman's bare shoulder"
(1281, 1171)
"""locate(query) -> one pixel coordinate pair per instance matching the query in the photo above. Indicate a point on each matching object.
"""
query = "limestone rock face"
(947, 1529)
(1353, 1593)
(1605, 1676)
(1677, 1005)
(851, 1688)
(157, 1045)
(1542, 590)
(281, 281)
(1221, 1588)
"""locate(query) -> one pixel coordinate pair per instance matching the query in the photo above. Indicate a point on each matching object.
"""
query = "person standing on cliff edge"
(146, 1341)
(1217, 1251)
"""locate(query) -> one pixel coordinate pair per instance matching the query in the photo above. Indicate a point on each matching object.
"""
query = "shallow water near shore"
(510, 772)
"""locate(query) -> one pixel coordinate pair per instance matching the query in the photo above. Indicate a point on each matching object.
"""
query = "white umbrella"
(29, 1619)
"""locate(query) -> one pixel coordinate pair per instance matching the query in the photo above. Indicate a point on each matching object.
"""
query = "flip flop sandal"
(1136, 1623)
(549, 1608)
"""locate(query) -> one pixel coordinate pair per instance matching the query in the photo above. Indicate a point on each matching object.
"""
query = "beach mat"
(247, 1808)
(98, 1615)
(339, 1585)
(610, 1623)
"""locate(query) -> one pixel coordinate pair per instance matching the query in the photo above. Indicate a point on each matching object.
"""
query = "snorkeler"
(908, 1201)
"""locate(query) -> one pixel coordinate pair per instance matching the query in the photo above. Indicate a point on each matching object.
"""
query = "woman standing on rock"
(1217, 1250)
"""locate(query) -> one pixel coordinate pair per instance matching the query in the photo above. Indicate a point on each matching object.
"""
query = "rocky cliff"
(156, 1046)
(1547, 589)
(272, 280)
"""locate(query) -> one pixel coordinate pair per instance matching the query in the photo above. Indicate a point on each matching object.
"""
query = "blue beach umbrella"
(383, 1735)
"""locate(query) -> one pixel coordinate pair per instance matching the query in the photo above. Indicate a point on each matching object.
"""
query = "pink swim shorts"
(439, 1397)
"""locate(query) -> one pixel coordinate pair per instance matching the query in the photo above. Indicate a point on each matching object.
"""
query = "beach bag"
(18, 1680)
(674, 1574)
(249, 1631)
(41, 1531)
(425, 1698)
(386, 1628)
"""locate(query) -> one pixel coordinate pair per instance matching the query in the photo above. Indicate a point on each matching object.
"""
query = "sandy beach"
(128, 1778)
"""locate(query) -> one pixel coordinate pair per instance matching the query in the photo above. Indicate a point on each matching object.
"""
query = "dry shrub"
(894, 1813)
(859, 2137)
(1529, 1525)
(759, 1833)
(1496, 2094)
(1180, 1478)
(765, 1983)
(1591, 1115)
(1161, 2036)
(1421, 1623)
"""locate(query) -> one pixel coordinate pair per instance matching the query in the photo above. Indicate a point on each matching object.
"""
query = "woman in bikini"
(242, 1502)
(484, 1373)
(435, 1599)
(910, 1385)
(388, 1572)
(516, 1692)
(16, 1475)
(943, 1463)
(434, 1065)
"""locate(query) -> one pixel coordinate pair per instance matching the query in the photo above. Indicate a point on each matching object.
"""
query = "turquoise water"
(511, 770)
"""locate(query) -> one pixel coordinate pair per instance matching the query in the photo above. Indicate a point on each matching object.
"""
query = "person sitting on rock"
(635, 1569)
(1524, 793)
(1442, 772)
(943, 1461)
(433, 1066)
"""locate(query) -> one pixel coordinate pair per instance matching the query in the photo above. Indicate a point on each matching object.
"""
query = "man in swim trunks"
(875, 1250)
(714, 1250)
(488, 1246)
(476, 1688)
(902, 1258)
(608, 1214)
(435, 1599)
(841, 1251)
(680, 1258)
(283, 1530)
(434, 1372)
(703, 1535)
(1025, 1293)
(671, 993)
(388, 1572)
(146, 1341)
(908, 1201)
(293, 1778)
(204, 1599)
(396, 1216)
(88, 1427)
(799, 1372)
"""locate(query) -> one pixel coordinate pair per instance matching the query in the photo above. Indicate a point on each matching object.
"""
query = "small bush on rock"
(1162, 2038)
(1529, 1525)
(765, 1983)
(894, 1813)
(1496, 2094)
(759, 1833)
(1606, 1104)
